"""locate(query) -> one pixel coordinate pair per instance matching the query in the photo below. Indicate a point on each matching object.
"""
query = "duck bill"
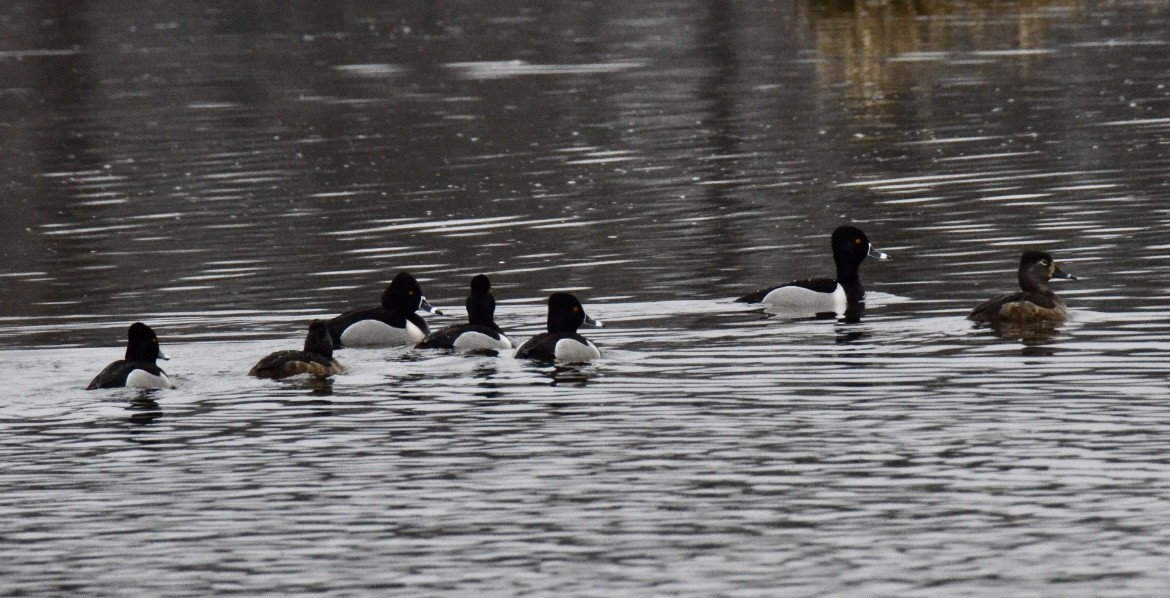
(590, 322)
(163, 356)
(875, 254)
(1058, 273)
(424, 305)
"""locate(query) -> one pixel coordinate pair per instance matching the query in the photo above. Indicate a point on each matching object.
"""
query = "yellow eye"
(576, 309)
(857, 241)
(410, 293)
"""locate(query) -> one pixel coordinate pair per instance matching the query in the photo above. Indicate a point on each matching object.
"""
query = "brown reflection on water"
(856, 40)
(177, 159)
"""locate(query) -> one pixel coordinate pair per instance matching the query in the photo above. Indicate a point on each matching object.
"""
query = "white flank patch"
(795, 297)
(571, 351)
(374, 333)
(478, 341)
(145, 379)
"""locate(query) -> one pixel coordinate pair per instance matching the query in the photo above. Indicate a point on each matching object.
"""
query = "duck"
(1035, 303)
(561, 342)
(139, 369)
(316, 358)
(391, 323)
(851, 247)
(825, 295)
(480, 333)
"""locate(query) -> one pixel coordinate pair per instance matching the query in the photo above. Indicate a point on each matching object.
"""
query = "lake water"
(226, 174)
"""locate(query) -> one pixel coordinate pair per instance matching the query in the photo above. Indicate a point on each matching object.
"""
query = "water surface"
(226, 175)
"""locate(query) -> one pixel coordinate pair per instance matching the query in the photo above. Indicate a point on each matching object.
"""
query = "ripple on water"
(519, 68)
(229, 183)
(440, 452)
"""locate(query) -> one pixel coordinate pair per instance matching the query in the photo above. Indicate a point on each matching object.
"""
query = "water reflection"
(487, 383)
(1031, 334)
(573, 375)
(848, 329)
(867, 43)
(144, 408)
(316, 408)
(318, 386)
(229, 175)
(851, 315)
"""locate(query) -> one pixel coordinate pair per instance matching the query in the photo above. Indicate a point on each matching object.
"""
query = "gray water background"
(227, 172)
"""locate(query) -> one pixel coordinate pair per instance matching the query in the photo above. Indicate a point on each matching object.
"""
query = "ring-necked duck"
(138, 369)
(391, 323)
(316, 358)
(480, 333)
(822, 295)
(561, 342)
(1035, 303)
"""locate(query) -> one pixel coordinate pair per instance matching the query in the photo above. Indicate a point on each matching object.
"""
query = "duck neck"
(482, 319)
(851, 282)
(323, 350)
(144, 355)
(561, 324)
(1032, 285)
(481, 312)
(320, 345)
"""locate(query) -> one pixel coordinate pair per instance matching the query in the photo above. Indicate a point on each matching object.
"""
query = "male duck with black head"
(391, 323)
(316, 358)
(561, 342)
(480, 333)
(825, 295)
(139, 369)
(1034, 304)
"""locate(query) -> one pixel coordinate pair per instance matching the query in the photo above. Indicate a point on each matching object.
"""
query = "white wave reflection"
(519, 68)
(465, 226)
(372, 70)
(695, 406)
(36, 53)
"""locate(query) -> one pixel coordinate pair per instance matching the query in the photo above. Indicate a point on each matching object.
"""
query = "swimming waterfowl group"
(395, 321)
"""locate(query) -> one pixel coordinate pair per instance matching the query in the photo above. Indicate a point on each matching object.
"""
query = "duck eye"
(857, 241)
(576, 309)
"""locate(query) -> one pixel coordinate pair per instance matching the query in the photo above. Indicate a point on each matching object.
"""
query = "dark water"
(227, 172)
